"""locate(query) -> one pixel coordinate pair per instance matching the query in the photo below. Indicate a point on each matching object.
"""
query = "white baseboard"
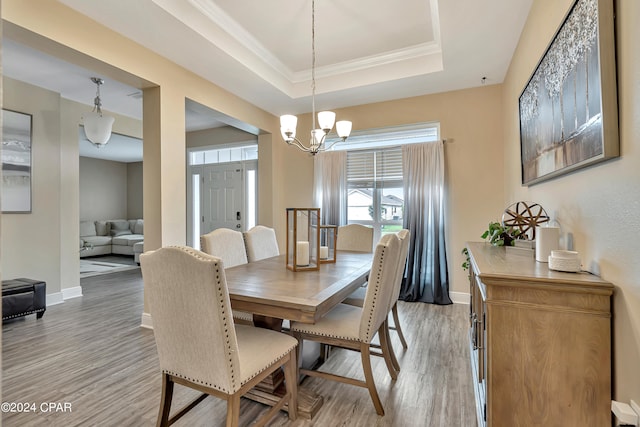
(75, 292)
(60, 297)
(54, 298)
(147, 321)
(460, 297)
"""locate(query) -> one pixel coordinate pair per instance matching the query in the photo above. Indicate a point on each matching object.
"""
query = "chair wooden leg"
(396, 322)
(387, 350)
(233, 410)
(165, 401)
(291, 382)
(298, 357)
(368, 376)
(324, 353)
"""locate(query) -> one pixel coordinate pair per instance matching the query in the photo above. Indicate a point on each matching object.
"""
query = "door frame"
(191, 170)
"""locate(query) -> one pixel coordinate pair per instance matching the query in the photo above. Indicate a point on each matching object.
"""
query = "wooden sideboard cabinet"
(540, 342)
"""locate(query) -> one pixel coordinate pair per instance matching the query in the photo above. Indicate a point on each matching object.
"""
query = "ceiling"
(366, 50)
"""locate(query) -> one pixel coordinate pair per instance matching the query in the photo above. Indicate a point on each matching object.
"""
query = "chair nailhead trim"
(198, 255)
(375, 294)
(193, 380)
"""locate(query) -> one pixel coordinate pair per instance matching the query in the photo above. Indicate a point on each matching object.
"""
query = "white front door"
(223, 197)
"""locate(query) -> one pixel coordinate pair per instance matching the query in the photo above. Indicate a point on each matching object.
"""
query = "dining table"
(272, 292)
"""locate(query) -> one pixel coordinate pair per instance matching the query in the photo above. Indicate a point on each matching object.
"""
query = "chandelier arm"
(296, 143)
(333, 143)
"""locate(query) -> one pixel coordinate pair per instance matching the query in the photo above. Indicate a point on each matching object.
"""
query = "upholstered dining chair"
(355, 237)
(357, 297)
(261, 243)
(354, 328)
(227, 244)
(198, 344)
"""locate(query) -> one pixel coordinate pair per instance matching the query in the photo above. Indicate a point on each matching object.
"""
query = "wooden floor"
(91, 354)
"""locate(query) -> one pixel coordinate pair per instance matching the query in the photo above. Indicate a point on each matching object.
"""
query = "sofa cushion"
(119, 227)
(87, 228)
(102, 228)
(127, 239)
(97, 240)
(138, 228)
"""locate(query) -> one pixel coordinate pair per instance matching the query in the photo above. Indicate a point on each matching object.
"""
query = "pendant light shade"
(97, 126)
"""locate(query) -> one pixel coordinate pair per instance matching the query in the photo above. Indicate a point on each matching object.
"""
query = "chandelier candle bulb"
(302, 253)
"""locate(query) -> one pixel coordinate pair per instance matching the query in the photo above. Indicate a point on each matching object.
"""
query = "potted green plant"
(501, 235)
(498, 235)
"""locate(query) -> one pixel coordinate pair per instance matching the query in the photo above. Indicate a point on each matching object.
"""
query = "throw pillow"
(116, 233)
(87, 228)
(118, 226)
(139, 227)
(102, 228)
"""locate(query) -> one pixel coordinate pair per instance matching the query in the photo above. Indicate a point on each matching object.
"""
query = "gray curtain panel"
(330, 186)
(426, 276)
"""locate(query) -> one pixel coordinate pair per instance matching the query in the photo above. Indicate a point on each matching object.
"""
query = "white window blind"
(371, 168)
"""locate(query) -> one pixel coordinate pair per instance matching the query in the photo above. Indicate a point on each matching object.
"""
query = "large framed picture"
(16, 162)
(569, 107)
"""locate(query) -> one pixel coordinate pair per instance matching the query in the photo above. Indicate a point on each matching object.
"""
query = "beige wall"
(36, 236)
(103, 189)
(110, 190)
(217, 136)
(134, 190)
(470, 120)
(597, 206)
(55, 189)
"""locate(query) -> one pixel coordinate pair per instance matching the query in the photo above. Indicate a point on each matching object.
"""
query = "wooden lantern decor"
(303, 239)
(328, 238)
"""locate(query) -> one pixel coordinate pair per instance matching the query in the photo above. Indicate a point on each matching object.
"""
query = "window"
(374, 174)
(374, 189)
(223, 155)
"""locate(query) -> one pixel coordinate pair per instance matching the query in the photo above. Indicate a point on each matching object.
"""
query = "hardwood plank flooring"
(91, 353)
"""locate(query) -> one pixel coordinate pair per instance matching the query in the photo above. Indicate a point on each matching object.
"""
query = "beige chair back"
(189, 302)
(355, 237)
(403, 235)
(261, 243)
(226, 244)
(379, 293)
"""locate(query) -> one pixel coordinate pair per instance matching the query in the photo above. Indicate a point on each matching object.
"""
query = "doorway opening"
(222, 185)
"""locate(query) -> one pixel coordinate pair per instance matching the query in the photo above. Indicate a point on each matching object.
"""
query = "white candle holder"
(303, 239)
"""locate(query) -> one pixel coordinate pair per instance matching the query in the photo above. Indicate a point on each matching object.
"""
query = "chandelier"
(97, 127)
(326, 119)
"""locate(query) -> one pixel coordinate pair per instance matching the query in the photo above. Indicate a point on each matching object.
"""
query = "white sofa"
(117, 236)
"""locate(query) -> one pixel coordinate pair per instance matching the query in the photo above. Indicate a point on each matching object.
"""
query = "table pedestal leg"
(272, 388)
(308, 402)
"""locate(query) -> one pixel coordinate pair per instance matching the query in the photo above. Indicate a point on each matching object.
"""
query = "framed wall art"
(569, 107)
(16, 162)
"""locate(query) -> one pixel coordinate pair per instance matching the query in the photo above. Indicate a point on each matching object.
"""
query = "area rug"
(90, 268)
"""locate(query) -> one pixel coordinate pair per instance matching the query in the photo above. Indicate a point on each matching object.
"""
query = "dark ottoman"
(23, 296)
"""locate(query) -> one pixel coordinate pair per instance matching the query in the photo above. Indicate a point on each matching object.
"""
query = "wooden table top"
(268, 288)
